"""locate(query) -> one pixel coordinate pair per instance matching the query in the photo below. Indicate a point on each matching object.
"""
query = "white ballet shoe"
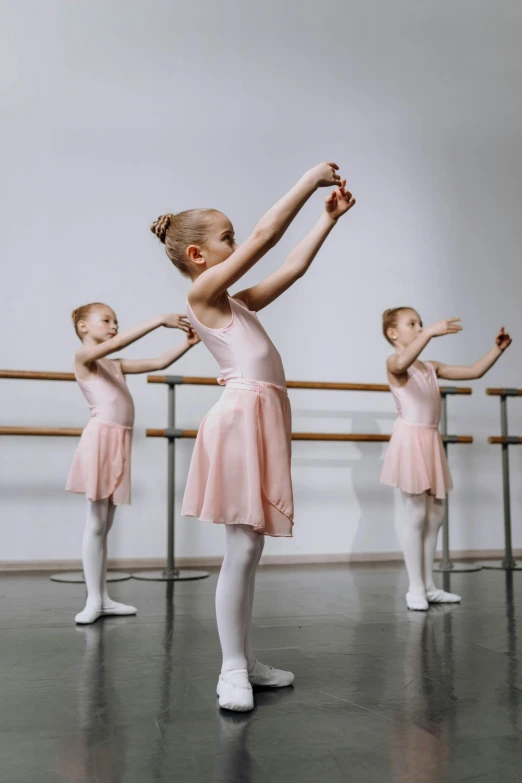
(113, 607)
(234, 691)
(88, 615)
(417, 602)
(436, 596)
(269, 677)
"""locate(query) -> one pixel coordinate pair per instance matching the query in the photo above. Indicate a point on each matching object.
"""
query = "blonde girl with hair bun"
(101, 468)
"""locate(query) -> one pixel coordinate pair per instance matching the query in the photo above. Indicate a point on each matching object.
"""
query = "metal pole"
(171, 573)
(508, 563)
(171, 482)
(446, 565)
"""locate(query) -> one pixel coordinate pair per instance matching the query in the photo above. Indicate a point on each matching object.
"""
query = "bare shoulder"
(84, 368)
(242, 298)
(395, 379)
(436, 365)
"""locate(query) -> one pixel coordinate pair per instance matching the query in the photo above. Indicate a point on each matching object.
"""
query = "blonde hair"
(81, 313)
(179, 231)
(389, 320)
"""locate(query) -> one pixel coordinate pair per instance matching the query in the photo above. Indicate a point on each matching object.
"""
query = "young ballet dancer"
(240, 469)
(101, 467)
(415, 461)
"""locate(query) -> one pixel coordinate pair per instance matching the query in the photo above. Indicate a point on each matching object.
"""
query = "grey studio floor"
(381, 694)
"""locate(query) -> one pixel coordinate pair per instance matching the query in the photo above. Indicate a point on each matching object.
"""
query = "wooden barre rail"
(511, 440)
(295, 436)
(368, 387)
(501, 392)
(195, 381)
(55, 431)
(29, 375)
(154, 433)
(326, 436)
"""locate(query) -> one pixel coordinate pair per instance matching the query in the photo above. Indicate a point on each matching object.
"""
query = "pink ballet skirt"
(101, 467)
(240, 468)
(415, 460)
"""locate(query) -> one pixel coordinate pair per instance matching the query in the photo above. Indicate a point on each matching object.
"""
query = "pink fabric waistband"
(418, 424)
(111, 423)
(248, 385)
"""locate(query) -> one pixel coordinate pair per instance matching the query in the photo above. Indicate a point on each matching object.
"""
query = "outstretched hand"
(174, 321)
(339, 202)
(324, 175)
(503, 340)
(446, 326)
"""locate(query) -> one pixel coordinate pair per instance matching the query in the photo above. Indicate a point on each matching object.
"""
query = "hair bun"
(160, 227)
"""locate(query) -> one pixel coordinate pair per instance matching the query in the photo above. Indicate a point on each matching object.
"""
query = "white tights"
(418, 530)
(235, 595)
(100, 517)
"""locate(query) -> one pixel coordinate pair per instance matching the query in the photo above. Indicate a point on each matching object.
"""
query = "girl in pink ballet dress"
(240, 470)
(101, 468)
(415, 461)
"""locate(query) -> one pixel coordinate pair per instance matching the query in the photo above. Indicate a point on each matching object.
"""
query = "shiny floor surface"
(381, 694)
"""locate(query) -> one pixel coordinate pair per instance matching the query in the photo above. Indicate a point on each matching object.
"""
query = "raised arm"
(301, 257)
(399, 363)
(134, 366)
(214, 281)
(450, 372)
(88, 354)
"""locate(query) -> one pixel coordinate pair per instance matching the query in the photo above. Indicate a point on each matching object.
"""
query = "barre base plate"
(178, 575)
(501, 565)
(455, 568)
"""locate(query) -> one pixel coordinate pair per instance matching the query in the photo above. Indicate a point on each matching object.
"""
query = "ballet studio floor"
(381, 694)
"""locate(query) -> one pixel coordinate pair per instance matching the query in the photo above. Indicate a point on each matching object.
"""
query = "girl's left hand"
(192, 337)
(503, 340)
(339, 202)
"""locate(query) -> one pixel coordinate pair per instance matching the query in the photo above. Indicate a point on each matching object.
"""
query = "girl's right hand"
(324, 175)
(447, 326)
(174, 321)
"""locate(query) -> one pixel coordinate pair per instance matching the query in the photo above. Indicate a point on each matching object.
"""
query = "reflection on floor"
(381, 694)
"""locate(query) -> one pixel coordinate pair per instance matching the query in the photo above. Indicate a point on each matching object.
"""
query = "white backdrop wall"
(114, 112)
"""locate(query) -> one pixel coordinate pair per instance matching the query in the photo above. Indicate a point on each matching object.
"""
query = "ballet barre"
(55, 432)
(172, 433)
(61, 432)
(505, 440)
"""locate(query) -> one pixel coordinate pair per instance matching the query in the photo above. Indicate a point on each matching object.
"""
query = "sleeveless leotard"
(102, 462)
(415, 461)
(240, 468)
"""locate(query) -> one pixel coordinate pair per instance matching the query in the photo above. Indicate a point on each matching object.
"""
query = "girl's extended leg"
(108, 605)
(242, 553)
(410, 529)
(100, 517)
(435, 518)
(94, 537)
(259, 673)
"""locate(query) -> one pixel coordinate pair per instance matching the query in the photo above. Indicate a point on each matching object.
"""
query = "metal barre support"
(508, 563)
(171, 573)
(446, 565)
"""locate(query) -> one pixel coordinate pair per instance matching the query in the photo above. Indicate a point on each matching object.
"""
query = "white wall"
(116, 111)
